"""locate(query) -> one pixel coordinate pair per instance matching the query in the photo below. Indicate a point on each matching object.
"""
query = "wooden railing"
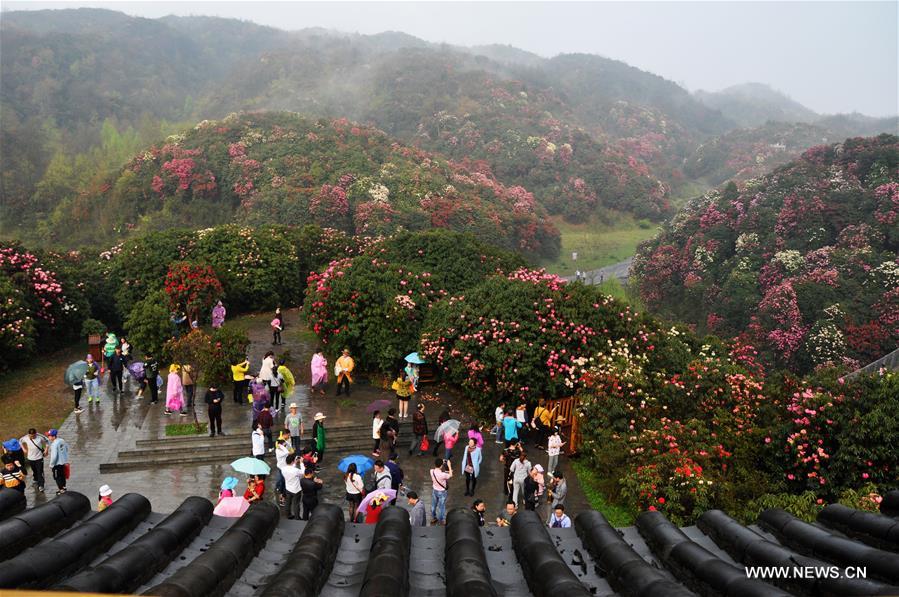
(566, 409)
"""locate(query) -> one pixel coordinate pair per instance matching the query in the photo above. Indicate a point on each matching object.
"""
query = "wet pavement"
(98, 434)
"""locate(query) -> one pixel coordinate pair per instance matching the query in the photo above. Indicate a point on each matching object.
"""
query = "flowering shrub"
(376, 303)
(803, 262)
(40, 302)
(210, 355)
(17, 335)
(191, 287)
(523, 335)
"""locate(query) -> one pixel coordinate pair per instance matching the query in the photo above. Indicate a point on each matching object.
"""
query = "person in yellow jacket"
(342, 369)
(241, 380)
(542, 422)
(289, 380)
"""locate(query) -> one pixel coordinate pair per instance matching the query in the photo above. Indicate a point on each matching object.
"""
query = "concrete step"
(130, 461)
(202, 440)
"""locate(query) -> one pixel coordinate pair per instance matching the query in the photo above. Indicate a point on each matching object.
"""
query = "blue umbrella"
(413, 358)
(363, 463)
(75, 372)
(251, 466)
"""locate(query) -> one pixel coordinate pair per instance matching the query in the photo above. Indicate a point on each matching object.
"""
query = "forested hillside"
(279, 168)
(83, 90)
(801, 262)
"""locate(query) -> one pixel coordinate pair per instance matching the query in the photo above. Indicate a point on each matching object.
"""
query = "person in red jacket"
(373, 512)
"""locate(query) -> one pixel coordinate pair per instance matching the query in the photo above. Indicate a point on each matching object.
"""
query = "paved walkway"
(101, 431)
(619, 271)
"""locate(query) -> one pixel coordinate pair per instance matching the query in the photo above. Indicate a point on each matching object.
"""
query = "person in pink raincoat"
(319, 371)
(218, 315)
(174, 397)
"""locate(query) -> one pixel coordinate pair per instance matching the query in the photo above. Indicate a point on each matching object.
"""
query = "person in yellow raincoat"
(342, 369)
(287, 376)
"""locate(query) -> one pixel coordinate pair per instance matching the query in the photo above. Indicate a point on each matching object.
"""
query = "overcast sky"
(830, 56)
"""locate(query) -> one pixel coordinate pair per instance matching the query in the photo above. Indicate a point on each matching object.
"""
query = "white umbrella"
(444, 427)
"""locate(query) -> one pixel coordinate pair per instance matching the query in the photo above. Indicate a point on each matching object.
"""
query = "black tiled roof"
(190, 553)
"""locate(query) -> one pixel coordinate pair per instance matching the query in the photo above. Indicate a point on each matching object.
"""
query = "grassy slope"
(35, 395)
(597, 245)
(618, 516)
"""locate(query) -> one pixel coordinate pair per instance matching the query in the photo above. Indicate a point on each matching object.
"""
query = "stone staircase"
(202, 449)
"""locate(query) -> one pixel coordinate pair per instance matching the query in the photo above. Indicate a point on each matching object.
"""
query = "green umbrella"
(251, 466)
(75, 372)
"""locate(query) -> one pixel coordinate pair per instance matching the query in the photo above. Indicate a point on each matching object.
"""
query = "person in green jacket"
(109, 349)
(320, 435)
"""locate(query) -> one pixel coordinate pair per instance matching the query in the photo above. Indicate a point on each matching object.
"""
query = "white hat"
(319, 416)
(539, 468)
(105, 490)
(293, 405)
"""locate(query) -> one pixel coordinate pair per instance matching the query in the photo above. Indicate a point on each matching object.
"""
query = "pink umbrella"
(387, 494)
(232, 507)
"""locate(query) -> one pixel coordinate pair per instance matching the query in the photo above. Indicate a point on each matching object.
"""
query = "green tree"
(148, 324)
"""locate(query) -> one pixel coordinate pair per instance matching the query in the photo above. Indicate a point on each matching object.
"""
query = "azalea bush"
(803, 262)
(191, 287)
(679, 429)
(522, 335)
(41, 304)
(376, 303)
(841, 435)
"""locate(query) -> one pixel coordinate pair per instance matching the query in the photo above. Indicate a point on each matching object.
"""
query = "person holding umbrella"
(375, 506)
(355, 487)
(75, 377)
(412, 368)
(255, 489)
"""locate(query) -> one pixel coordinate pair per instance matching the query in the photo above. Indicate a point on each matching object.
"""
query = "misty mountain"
(582, 132)
(754, 104)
